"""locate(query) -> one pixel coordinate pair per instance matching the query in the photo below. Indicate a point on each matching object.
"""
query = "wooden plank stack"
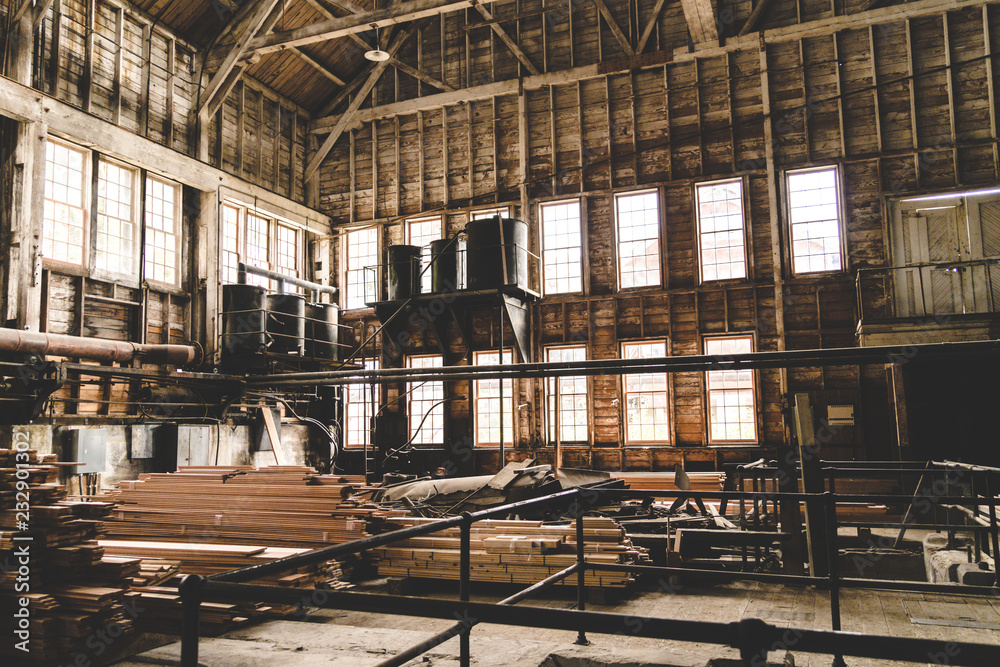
(664, 480)
(72, 592)
(511, 551)
(213, 519)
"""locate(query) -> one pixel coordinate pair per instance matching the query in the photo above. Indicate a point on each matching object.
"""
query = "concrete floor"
(355, 639)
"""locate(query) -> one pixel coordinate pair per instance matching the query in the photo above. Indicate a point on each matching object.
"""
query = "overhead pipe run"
(96, 349)
(886, 354)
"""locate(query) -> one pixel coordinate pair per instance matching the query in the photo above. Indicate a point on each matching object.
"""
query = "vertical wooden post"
(812, 482)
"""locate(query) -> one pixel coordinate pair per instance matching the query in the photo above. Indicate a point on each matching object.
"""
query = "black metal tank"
(243, 331)
(402, 267)
(286, 323)
(321, 331)
(444, 265)
(486, 247)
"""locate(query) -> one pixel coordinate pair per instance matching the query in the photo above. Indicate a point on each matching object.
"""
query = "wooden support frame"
(609, 18)
(506, 39)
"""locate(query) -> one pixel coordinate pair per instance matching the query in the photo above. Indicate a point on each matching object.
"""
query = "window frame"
(754, 392)
(272, 223)
(659, 238)
(488, 212)
(87, 201)
(508, 398)
(346, 268)
(553, 394)
(368, 363)
(841, 227)
(412, 388)
(424, 275)
(138, 222)
(581, 204)
(747, 268)
(178, 232)
(666, 391)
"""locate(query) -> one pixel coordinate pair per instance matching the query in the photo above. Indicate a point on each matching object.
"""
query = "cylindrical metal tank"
(484, 257)
(402, 266)
(243, 331)
(286, 323)
(444, 265)
(321, 331)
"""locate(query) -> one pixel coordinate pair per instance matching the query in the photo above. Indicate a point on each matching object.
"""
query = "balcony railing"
(929, 290)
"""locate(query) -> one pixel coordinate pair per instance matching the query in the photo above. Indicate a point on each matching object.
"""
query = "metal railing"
(753, 637)
(927, 290)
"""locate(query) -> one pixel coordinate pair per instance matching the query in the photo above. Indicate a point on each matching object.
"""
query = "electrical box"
(840, 415)
(194, 445)
(89, 446)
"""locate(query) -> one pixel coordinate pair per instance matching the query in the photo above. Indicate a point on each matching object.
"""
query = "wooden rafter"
(40, 10)
(359, 98)
(615, 29)
(759, 11)
(650, 25)
(700, 16)
(21, 9)
(360, 41)
(403, 12)
(242, 29)
(318, 66)
(506, 39)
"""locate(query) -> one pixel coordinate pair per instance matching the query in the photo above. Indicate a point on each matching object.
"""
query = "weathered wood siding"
(903, 106)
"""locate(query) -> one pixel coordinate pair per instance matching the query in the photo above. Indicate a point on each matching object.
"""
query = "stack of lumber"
(863, 486)
(211, 519)
(518, 552)
(72, 592)
(664, 481)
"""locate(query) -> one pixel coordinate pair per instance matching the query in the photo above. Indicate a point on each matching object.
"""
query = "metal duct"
(96, 349)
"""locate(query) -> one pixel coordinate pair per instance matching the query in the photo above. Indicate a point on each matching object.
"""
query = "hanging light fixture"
(376, 55)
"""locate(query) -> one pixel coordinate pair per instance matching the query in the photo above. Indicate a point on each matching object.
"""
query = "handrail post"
(833, 568)
(464, 566)
(994, 536)
(190, 590)
(581, 574)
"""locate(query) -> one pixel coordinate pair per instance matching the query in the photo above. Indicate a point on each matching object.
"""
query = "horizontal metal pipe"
(685, 363)
(96, 349)
(766, 636)
(967, 466)
(243, 269)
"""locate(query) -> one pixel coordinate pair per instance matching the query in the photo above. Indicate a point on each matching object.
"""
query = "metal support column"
(833, 569)
(190, 590)
(581, 576)
(463, 586)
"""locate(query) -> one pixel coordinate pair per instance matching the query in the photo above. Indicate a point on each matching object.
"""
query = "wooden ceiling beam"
(506, 39)
(318, 66)
(759, 12)
(700, 16)
(359, 98)
(403, 12)
(609, 18)
(21, 9)
(40, 11)
(251, 19)
(650, 25)
(360, 41)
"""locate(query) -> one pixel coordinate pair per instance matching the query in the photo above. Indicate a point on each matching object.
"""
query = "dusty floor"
(332, 637)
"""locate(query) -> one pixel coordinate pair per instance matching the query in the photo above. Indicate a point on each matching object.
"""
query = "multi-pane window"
(638, 219)
(64, 216)
(361, 256)
(647, 413)
(426, 411)
(162, 199)
(732, 413)
(814, 220)
(230, 243)
(483, 213)
(721, 235)
(119, 193)
(570, 395)
(421, 232)
(359, 402)
(494, 401)
(255, 239)
(115, 232)
(562, 247)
